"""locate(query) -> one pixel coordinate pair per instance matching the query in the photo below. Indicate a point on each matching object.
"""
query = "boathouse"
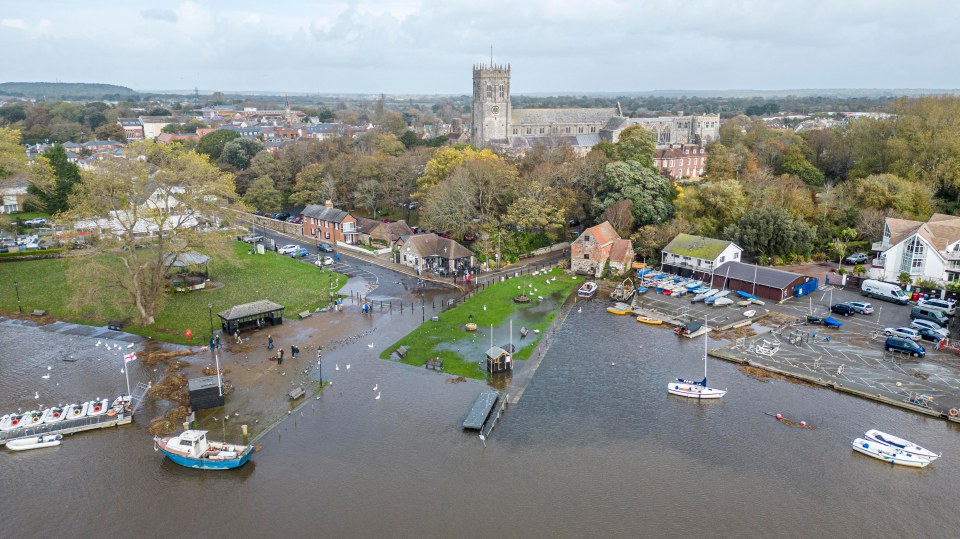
(251, 316)
(498, 360)
(765, 283)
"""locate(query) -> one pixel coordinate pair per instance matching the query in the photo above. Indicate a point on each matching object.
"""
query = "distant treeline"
(66, 90)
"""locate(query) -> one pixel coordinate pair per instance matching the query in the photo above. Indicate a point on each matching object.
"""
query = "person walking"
(269, 342)
(218, 344)
(212, 343)
(280, 357)
(293, 351)
(236, 335)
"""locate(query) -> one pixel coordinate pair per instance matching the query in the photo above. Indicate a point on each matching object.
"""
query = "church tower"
(491, 103)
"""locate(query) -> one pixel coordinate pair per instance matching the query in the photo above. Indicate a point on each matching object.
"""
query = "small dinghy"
(32, 419)
(619, 309)
(98, 407)
(587, 289)
(901, 444)
(10, 422)
(722, 302)
(76, 411)
(53, 415)
(750, 313)
(889, 454)
(647, 320)
(34, 442)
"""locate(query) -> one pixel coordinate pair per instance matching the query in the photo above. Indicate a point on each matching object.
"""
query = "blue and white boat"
(889, 453)
(899, 443)
(192, 449)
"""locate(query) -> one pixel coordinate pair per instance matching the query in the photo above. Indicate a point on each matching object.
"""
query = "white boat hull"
(899, 443)
(694, 391)
(34, 442)
(887, 453)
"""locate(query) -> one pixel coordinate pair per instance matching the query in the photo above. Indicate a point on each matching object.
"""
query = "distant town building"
(12, 196)
(681, 161)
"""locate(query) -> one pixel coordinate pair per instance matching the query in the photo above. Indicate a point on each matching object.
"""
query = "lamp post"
(210, 307)
(319, 366)
(16, 287)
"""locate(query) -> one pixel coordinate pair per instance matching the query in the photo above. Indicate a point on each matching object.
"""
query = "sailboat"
(694, 389)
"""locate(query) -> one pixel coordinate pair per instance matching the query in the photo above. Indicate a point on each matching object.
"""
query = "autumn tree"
(155, 198)
(263, 196)
(714, 206)
(651, 193)
(771, 231)
(52, 194)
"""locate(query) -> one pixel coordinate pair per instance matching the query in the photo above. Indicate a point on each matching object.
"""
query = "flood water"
(592, 449)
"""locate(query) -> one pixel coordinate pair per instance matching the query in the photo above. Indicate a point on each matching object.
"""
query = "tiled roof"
(561, 116)
(604, 233)
(366, 225)
(263, 306)
(901, 228)
(620, 250)
(323, 213)
(426, 245)
(773, 278)
(391, 232)
(696, 246)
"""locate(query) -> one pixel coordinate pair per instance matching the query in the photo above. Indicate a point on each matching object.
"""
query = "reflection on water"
(593, 449)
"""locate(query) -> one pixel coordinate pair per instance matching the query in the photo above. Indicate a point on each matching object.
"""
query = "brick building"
(326, 223)
(681, 161)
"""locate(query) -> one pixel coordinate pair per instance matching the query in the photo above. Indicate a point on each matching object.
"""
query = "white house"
(686, 253)
(929, 251)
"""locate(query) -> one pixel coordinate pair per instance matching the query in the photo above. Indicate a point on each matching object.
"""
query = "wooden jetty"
(481, 410)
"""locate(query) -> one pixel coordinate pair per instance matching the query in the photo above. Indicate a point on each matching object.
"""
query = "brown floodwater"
(595, 447)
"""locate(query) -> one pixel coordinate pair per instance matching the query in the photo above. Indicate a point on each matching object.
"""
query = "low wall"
(354, 248)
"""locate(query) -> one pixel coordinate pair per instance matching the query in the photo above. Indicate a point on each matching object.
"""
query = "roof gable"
(697, 246)
(773, 278)
(603, 233)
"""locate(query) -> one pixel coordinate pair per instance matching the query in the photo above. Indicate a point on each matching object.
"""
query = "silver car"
(933, 326)
(903, 333)
(948, 307)
(861, 307)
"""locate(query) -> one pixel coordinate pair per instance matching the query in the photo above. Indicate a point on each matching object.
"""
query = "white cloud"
(19, 24)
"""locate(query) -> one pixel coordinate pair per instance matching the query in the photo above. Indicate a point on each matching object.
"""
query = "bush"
(34, 252)
(819, 256)
(777, 261)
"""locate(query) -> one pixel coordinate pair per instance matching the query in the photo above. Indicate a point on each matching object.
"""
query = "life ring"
(15, 422)
(954, 412)
(56, 414)
(112, 413)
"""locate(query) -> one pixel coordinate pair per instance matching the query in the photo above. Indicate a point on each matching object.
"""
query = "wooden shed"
(498, 360)
(765, 283)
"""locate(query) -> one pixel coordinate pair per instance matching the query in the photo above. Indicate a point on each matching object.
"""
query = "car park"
(842, 308)
(907, 346)
(932, 326)
(926, 313)
(861, 307)
(931, 335)
(885, 291)
(287, 249)
(947, 306)
(325, 247)
(903, 333)
(282, 216)
(857, 258)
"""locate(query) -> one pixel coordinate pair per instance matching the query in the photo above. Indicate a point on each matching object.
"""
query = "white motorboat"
(53, 414)
(722, 302)
(888, 453)
(34, 442)
(32, 419)
(694, 389)
(11, 421)
(76, 411)
(722, 294)
(98, 407)
(587, 289)
(899, 443)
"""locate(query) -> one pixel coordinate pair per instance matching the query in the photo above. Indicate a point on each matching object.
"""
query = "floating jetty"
(481, 410)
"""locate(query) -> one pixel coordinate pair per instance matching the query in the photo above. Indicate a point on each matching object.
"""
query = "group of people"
(294, 350)
(215, 343)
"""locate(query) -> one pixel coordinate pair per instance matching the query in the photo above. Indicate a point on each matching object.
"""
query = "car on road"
(35, 222)
(948, 307)
(861, 307)
(287, 249)
(282, 216)
(931, 335)
(843, 308)
(300, 253)
(325, 261)
(932, 326)
(253, 238)
(907, 346)
(903, 333)
(325, 247)
(857, 258)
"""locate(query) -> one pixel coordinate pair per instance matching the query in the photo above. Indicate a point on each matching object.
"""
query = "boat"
(34, 442)
(520, 298)
(757, 302)
(696, 389)
(722, 302)
(678, 292)
(721, 294)
(688, 328)
(750, 313)
(746, 295)
(32, 419)
(743, 303)
(11, 421)
(52, 415)
(642, 289)
(704, 295)
(619, 308)
(587, 289)
(693, 284)
(98, 407)
(649, 320)
(889, 454)
(192, 449)
(899, 443)
(76, 411)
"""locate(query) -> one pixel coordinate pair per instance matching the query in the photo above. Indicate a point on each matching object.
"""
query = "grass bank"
(492, 306)
(297, 286)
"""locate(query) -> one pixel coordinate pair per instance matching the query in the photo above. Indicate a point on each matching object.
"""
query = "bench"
(296, 393)
(115, 325)
(435, 364)
(38, 312)
(401, 351)
(306, 314)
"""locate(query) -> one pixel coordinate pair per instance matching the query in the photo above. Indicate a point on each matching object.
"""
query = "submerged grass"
(492, 306)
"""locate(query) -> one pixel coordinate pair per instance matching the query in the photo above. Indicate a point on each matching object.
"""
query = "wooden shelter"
(250, 316)
(498, 360)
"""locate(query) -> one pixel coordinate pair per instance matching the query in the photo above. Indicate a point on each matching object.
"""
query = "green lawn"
(295, 285)
(432, 339)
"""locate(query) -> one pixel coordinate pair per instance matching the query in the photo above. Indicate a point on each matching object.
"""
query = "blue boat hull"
(205, 464)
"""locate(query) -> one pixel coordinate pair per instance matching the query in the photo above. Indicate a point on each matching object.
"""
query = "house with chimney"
(329, 224)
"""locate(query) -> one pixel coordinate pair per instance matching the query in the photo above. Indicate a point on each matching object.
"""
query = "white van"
(948, 307)
(884, 291)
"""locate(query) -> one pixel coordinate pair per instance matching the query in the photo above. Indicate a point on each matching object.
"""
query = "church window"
(568, 130)
(489, 92)
(514, 130)
(541, 130)
(501, 91)
(579, 130)
(529, 131)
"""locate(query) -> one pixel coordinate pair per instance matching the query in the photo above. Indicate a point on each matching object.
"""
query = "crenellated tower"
(491, 103)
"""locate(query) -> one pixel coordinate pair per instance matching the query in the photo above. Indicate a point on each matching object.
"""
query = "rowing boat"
(648, 320)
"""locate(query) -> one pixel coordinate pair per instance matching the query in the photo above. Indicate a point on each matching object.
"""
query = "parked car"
(931, 335)
(861, 307)
(35, 222)
(325, 261)
(857, 258)
(282, 216)
(927, 313)
(843, 308)
(325, 247)
(253, 238)
(932, 326)
(300, 253)
(287, 249)
(948, 307)
(297, 220)
(897, 344)
(469, 236)
(903, 333)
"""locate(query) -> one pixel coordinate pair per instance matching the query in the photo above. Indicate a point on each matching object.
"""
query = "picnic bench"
(435, 364)
(401, 351)
(296, 393)
(305, 314)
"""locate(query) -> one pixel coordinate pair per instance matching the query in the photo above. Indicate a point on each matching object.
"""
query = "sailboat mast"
(706, 334)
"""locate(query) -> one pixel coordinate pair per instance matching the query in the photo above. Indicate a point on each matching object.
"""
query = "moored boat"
(11, 421)
(32, 418)
(649, 320)
(53, 414)
(192, 449)
(98, 407)
(901, 444)
(619, 308)
(694, 389)
(76, 411)
(889, 454)
(722, 302)
(587, 289)
(34, 442)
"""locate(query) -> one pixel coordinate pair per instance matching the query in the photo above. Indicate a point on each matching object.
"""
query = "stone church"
(497, 123)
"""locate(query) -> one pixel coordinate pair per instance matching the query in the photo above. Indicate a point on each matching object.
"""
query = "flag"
(130, 357)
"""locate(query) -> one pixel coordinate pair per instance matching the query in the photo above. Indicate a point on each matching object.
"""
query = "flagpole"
(216, 358)
(126, 373)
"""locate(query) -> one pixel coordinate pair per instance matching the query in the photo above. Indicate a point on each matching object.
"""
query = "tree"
(238, 152)
(159, 111)
(715, 206)
(650, 193)
(450, 205)
(12, 158)
(53, 197)
(620, 216)
(367, 195)
(158, 188)
(795, 163)
(263, 196)
(173, 129)
(888, 193)
(111, 131)
(212, 144)
(771, 231)
(636, 144)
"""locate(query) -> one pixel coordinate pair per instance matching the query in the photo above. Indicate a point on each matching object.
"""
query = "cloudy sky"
(428, 46)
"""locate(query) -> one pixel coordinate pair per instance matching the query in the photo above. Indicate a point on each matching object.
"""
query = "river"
(591, 449)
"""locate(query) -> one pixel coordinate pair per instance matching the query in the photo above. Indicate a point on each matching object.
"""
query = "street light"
(210, 307)
(16, 287)
(319, 366)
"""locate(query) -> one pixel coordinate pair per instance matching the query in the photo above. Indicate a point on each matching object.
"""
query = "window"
(721, 259)
(586, 238)
(586, 256)
(593, 129)
(529, 131)
(541, 130)
(515, 130)
(568, 129)
(579, 130)
(736, 256)
(913, 256)
(489, 92)
(501, 91)
(326, 235)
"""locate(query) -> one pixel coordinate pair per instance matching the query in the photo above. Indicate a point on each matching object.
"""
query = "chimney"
(329, 204)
